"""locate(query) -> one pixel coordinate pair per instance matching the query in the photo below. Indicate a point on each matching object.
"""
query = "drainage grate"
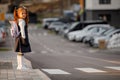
(5, 65)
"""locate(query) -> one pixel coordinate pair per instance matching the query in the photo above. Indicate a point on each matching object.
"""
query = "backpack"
(14, 29)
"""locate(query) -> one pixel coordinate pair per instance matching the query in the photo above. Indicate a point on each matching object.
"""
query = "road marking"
(45, 34)
(92, 51)
(80, 51)
(115, 68)
(55, 71)
(90, 70)
(44, 52)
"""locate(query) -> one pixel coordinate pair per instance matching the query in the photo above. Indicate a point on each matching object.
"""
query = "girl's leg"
(20, 61)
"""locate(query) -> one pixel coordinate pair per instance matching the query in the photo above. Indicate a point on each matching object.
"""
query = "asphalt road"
(61, 59)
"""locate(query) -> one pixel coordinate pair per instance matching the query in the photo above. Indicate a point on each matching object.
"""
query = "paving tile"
(5, 65)
(37, 79)
(19, 79)
(3, 76)
(11, 77)
(33, 74)
(28, 79)
(27, 76)
(8, 71)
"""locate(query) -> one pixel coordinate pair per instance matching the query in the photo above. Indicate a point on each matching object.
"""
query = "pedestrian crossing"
(115, 68)
(55, 71)
(89, 70)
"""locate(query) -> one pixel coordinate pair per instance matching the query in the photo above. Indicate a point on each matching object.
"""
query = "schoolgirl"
(22, 44)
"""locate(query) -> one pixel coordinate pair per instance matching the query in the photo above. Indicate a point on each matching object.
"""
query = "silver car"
(105, 37)
(89, 37)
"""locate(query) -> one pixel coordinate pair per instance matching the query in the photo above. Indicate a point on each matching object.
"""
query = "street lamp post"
(82, 11)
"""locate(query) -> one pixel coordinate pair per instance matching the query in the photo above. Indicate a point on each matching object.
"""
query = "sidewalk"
(8, 71)
(8, 66)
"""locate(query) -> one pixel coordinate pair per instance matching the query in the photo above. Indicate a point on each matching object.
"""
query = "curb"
(43, 76)
(40, 73)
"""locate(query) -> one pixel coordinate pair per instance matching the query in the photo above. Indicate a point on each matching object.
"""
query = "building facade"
(108, 10)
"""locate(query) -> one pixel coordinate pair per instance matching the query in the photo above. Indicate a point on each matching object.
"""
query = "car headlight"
(66, 31)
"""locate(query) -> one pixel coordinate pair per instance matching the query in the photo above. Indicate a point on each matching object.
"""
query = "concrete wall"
(94, 5)
(114, 15)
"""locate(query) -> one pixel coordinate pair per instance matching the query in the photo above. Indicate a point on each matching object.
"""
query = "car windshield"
(107, 32)
(74, 24)
(57, 23)
(87, 28)
(112, 32)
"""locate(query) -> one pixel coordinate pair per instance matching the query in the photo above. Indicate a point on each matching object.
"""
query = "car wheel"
(82, 39)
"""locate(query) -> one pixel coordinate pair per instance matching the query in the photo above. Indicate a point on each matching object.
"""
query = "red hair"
(16, 14)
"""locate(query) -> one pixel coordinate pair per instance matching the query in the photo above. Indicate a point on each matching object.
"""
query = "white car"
(55, 25)
(71, 35)
(62, 29)
(2, 35)
(46, 22)
(90, 29)
(66, 31)
(95, 41)
(89, 37)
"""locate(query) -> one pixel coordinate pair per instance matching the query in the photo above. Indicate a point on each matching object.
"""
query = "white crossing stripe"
(115, 68)
(44, 52)
(55, 71)
(45, 34)
(90, 70)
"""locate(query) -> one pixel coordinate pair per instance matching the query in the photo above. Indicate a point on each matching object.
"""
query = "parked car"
(89, 37)
(104, 33)
(89, 30)
(80, 25)
(47, 21)
(2, 33)
(62, 29)
(105, 37)
(66, 31)
(56, 25)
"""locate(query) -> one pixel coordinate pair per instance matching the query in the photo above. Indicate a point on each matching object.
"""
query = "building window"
(105, 17)
(104, 1)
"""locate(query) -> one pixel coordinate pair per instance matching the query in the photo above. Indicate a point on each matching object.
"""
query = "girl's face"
(22, 13)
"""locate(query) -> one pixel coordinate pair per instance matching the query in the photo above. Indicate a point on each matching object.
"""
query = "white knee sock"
(20, 61)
